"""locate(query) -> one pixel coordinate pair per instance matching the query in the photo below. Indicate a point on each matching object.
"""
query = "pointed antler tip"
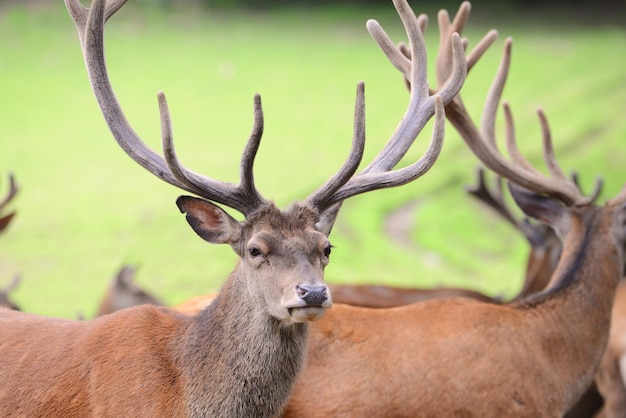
(372, 24)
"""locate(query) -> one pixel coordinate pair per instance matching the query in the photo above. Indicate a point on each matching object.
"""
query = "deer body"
(463, 357)
(149, 361)
(380, 296)
(611, 374)
(75, 382)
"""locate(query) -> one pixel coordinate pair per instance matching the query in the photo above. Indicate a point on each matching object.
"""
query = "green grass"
(85, 208)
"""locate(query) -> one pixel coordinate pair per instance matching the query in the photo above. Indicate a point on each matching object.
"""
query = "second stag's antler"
(244, 197)
(13, 189)
(482, 140)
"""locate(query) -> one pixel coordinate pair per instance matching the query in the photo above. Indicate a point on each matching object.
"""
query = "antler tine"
(323, 197)
(483, 144)
(421, 103)
(401, 57)
(80, 14)
(90, 26)
(446, 29)
(494, 198)
(597, 188)
(422, 106)
(368, 181)
(244, 197)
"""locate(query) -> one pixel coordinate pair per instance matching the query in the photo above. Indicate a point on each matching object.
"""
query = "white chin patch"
(306, 314)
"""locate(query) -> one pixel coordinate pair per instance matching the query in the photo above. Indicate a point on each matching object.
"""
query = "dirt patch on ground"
(400, 222)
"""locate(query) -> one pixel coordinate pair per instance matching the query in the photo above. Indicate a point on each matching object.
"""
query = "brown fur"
(378, 296)
(611, 374)
(462, 357)
(240, 357)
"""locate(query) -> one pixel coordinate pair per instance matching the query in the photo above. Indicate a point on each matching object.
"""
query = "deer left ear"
(327, 219)
(542, 208)
(209, 221)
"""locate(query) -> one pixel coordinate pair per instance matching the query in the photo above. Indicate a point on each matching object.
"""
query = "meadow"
(84, 208)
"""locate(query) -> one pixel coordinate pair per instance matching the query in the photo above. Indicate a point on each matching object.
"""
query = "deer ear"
(327, 219)
(209, 221)
(542, 208)
(4, 221)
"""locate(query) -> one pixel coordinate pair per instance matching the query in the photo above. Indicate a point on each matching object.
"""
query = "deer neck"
(575, 311)
(238, 360)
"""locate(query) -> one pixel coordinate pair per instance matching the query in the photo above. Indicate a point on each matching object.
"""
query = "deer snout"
(312, 295)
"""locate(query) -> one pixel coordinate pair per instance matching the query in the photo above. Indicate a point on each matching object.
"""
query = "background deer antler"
(482, 141)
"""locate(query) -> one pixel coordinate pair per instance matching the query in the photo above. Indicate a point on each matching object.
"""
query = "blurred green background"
(84, 208)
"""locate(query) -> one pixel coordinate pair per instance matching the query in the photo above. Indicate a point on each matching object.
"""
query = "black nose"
(313, 295)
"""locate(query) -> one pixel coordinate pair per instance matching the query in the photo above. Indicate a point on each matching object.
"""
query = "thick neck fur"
(238, 361)
(575, 312)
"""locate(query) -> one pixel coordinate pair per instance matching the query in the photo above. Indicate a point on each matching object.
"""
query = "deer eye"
(327, 250)
(254, 252)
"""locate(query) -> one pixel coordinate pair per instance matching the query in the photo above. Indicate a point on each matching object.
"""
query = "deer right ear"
(209, 221)
(327, 219)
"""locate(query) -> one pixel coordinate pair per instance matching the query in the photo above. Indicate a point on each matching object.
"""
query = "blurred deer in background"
(384, 296)
(462, 357)
(240, 356)
(5, 301)
(545, 246)
(13, 189)
(123, 293)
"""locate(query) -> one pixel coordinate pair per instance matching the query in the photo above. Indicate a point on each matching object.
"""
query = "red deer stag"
(13, 189)
(241, 356)
(462, 357)
(123, 293)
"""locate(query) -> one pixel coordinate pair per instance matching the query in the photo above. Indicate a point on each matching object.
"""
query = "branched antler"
(482, 140)
(244, 197)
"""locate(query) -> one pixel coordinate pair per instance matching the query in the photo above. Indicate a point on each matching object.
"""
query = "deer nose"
(312, 295)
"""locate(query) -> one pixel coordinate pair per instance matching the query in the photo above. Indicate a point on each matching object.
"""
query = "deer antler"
(245, 197)
(482, 141)
(492, 197)
(422, 105)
